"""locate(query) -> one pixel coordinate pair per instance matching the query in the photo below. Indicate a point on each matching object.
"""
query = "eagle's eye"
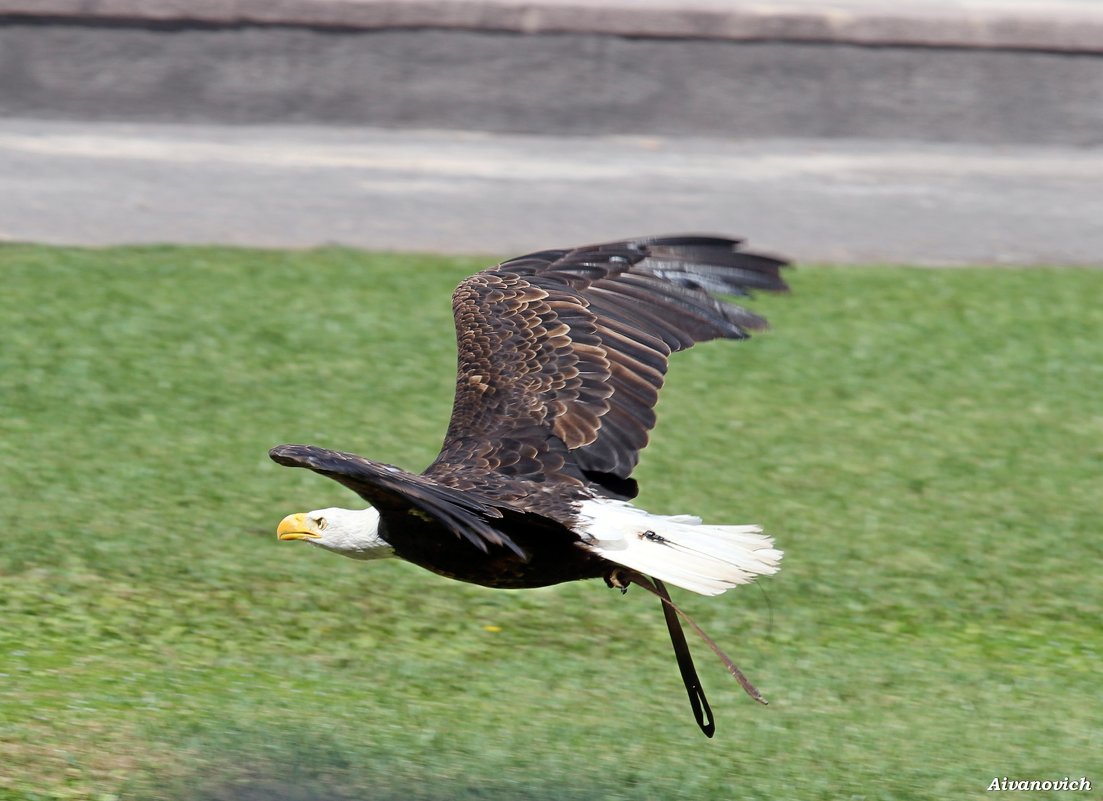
(321, 523)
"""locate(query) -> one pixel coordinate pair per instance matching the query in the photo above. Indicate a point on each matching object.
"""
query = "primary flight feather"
(562, 355)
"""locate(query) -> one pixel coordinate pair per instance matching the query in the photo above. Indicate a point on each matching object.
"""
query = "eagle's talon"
(615, 580)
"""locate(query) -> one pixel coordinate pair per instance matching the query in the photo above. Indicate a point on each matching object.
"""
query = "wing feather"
(571, 347)
(392, 490)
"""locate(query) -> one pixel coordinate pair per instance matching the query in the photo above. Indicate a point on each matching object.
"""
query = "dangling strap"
(701, 710)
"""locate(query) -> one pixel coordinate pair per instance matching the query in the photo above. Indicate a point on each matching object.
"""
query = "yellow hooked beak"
(297, 527)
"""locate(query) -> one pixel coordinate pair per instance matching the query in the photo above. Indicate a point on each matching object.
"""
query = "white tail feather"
(678, 549)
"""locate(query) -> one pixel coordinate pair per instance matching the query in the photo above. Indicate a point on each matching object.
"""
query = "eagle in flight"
(561, 357)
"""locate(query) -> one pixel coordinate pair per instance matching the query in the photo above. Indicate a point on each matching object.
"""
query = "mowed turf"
(927, 447)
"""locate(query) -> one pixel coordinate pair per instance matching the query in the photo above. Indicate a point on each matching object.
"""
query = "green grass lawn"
(927, 447)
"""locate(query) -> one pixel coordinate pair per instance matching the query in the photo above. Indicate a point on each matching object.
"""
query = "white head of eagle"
(349, 532)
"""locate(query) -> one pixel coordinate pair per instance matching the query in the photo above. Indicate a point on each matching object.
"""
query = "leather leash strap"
(701, 710)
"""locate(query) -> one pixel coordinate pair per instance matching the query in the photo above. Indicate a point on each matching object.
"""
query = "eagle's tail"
(677, 549)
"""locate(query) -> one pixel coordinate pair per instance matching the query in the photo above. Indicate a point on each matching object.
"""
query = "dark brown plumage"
(562, 355)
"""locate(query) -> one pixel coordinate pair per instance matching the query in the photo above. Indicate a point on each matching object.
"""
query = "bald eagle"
(561, 357)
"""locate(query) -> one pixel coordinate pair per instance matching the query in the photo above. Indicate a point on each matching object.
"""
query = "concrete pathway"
(300, 186)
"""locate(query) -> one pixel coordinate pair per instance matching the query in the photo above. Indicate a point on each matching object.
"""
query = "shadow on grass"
(255, 766)
(280, 783)
(268, 789)
(262, 789)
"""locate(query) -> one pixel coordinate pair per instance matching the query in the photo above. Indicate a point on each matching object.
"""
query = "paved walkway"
(925, 131)
(300, 186)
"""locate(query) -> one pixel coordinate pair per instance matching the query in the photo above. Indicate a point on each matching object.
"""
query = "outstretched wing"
(394, 491)
(570, 348)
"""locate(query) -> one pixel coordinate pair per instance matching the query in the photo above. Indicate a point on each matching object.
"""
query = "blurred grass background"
(927, 447)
